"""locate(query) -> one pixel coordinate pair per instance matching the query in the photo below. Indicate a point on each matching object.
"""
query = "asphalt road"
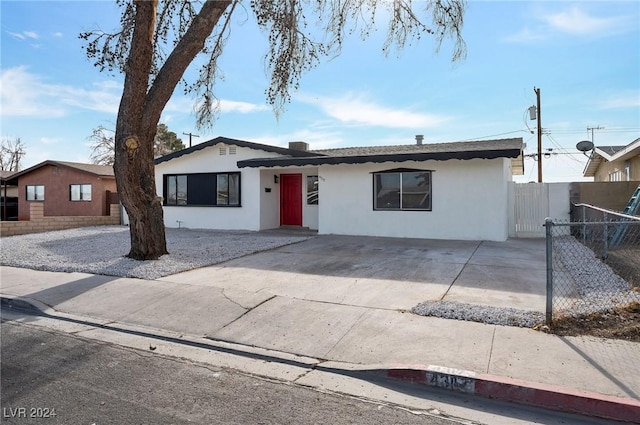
(50, 377)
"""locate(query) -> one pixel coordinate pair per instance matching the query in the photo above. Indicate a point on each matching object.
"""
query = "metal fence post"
(548, 224)
(605, 239)
(584, 226)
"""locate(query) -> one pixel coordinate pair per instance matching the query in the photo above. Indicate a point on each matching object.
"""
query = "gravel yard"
(103, 249)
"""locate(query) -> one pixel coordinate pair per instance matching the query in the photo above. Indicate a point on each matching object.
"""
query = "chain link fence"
(593, 265)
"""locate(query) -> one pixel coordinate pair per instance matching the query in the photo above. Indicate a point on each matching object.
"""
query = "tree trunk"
(135, 179)
(134, 166)
(138, 116)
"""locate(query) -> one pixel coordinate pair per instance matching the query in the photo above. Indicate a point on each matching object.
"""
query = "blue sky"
(584, 56)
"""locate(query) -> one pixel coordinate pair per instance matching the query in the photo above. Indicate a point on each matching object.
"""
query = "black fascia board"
(236, 142)
(363, 159)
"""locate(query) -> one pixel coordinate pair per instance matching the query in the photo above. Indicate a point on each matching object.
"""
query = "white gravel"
(584, 284)
(479, 313)
(103, 250)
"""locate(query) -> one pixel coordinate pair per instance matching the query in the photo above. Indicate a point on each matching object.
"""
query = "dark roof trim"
(362, 159)
(401, 170)
(236, 142)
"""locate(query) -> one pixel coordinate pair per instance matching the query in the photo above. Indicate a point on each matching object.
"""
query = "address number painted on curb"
(451, 379)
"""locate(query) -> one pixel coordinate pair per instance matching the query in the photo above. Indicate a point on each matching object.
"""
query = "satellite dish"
(585, 146)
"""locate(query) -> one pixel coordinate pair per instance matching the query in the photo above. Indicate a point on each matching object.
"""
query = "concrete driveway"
(388, 273)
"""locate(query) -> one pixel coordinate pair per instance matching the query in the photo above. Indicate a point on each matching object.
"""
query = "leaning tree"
(158, 39)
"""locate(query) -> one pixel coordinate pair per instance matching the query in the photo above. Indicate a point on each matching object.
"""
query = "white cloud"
(185, 104)
(50, 140)
(315, 139)
(24, 35)
(21, 95)
(357, 109)
(57, 34)
(630, 99)
(241, 107)
(526, 35)
(27, 94)
(575, 22)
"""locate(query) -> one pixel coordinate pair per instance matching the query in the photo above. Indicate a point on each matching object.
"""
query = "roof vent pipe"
(419, 138)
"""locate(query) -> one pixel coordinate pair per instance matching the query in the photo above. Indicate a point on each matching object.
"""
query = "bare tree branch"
(102, 145)
(11, 153)
(182, 55)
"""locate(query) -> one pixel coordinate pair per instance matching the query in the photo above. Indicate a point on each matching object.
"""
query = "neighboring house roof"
(240, 143)
(487, 149)
(6, 178)
(98, 170)
(608, 154)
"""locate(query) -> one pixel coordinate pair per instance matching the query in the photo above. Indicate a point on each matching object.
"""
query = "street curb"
(25, 303)
(547, 396)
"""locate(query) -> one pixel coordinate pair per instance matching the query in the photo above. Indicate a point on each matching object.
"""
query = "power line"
(602, 130)
(565, 151)
(492, 135)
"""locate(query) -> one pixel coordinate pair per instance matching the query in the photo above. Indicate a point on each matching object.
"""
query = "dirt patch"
(619, 323)
(626, 262)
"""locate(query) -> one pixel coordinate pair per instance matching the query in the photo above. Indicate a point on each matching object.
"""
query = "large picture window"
(402, 189)
(80, 192)
(35, 192)
(204, 189)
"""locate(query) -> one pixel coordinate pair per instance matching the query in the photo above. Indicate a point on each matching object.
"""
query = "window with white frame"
(80, 192)
(35, 192)
(402, 190)
(616, 176)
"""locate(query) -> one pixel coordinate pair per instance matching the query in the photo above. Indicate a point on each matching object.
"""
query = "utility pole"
(190, 136)
(591, 130)
(537, 91)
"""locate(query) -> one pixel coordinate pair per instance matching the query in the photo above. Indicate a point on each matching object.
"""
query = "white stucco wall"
(269, 201)
(469, 201)
(209, 160)
(559, 203)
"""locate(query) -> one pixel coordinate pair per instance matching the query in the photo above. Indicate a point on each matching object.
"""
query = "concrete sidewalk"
(576, 374)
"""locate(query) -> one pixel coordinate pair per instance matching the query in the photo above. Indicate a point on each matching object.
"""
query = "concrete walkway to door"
(389, 273)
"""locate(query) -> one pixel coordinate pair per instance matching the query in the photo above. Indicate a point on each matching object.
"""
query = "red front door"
(291, 199)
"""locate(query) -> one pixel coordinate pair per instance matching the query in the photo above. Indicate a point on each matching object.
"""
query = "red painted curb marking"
(547, 396)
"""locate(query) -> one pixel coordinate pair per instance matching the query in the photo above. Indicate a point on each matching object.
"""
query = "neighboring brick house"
(66, 189)
(614, 163)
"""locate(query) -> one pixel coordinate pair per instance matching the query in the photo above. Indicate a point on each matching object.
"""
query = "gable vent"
(223, 151)
(232, 150)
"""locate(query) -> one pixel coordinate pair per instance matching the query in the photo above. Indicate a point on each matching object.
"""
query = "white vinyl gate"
(531, 203)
